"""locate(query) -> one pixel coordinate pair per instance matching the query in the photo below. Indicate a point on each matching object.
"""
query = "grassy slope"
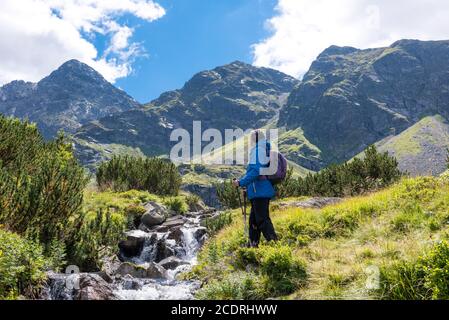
(338, 243)
(421, 149)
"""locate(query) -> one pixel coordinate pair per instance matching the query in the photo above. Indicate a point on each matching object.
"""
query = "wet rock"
(152, 270)
(105, 276)
(173, 222)
(155, 271)
(129, 283)
(93, 287)
(163, 251)
(155, 214)
(176, 221)
(133, 270)
(133, 245)
(176, 234)
(59, 286)
(200, 233)
(109, 265)
(172, 263)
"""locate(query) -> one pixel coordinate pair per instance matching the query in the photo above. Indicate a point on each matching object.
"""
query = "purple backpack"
(281, 171)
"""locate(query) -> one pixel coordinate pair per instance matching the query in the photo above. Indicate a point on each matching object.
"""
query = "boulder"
(176, 234)
(156, 271)
(133, 245)
(176, 221)
(105, 276)
(131, 269)
(93, 287)
(163, 251)
(199, 206)
(200, 233)
(155, 214)
(129, 283)
(172, 262)
(150, 220)
(152, 270)
(109, 264)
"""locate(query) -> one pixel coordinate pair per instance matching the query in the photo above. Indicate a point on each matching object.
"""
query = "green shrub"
(435, 266)
(228, 194)
(97, 237)
(410, 218)
(22, 266)
(374, 171)
(217, 223)
(303, 230)
(426, 278)
(193, 202)
(134, 214)
(177, 204)
(41, 183)
(284, 273)
(154, 175)
(402, 281)
(235, 286)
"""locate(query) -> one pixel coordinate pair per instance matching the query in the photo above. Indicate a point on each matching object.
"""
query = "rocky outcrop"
(350, 99)
(312, 203)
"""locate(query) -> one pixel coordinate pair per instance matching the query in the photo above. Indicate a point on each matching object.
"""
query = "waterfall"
(166, 251)
(169, 287)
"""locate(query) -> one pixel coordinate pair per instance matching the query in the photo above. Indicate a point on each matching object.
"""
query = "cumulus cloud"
(301, 29)
(36, 36)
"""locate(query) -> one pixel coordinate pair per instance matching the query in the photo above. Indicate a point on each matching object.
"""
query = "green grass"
(339, 244)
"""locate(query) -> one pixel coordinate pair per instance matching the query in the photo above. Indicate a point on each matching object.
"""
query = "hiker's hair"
(257, 135)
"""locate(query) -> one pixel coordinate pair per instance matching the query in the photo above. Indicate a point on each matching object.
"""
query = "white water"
(169, 288)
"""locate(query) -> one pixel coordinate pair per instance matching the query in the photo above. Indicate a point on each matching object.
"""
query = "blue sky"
(192, 36)
(182, 37)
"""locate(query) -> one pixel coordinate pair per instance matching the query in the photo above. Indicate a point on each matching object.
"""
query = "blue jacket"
(256, 187)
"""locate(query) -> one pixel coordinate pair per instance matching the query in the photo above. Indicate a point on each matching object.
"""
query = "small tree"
(228, 194)
(41, 183)
(155, 175)
(375, 170)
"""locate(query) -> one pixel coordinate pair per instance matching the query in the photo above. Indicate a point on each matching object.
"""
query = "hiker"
(260, 191)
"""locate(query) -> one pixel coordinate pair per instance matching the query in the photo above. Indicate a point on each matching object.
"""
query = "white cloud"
(36, 36)
(301, 29)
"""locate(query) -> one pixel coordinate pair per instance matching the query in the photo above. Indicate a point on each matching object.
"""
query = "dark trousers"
(260, 222)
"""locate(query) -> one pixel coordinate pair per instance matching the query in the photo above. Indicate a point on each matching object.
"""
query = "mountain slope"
(421, 149)
(68, 98)
(352, 98)
(340, 248)
(233, 96)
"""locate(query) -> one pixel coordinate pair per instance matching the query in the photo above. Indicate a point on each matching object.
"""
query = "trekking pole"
(245, 226)
(243, 208)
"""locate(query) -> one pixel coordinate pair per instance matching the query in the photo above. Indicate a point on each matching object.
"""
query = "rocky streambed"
(150, 259)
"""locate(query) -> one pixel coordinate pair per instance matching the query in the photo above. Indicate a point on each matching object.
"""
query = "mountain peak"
(74, 70)
(337, 50)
